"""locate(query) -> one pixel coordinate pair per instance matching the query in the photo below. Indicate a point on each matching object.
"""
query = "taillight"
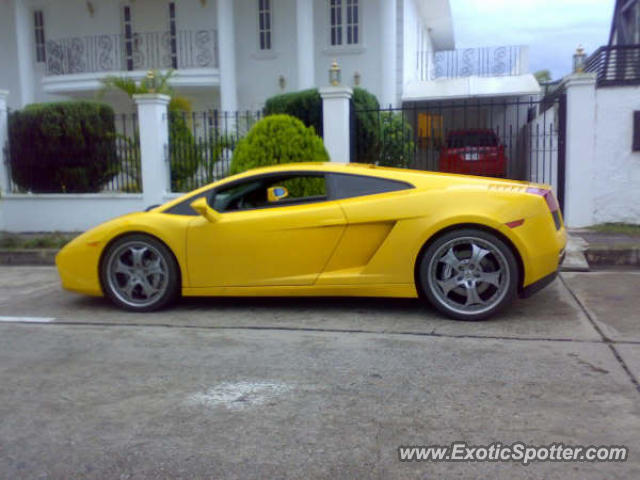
(548, 197)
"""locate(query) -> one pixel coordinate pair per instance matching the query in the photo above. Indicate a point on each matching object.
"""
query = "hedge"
(306, 105)
(63, 147)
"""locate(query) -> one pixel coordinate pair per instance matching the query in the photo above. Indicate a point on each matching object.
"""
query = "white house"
(233, 55)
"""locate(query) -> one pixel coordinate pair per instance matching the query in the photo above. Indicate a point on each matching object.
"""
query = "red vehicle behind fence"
(473, 152)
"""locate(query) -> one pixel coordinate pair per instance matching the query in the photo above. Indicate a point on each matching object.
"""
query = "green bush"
(366, 108)
(277, 139)
(396, 147)
(184, 154)
(63, 147)
(306, 105)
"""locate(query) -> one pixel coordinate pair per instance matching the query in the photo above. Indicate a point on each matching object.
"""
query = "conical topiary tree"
(277, 139)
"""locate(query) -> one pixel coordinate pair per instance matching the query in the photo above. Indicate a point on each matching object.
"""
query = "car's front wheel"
(139, 273)
(468, 274)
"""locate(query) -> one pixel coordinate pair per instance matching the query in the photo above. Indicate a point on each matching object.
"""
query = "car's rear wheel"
(468, 274)
(139, 273)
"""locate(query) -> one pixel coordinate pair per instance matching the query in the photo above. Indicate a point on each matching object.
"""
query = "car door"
(372, 209)
(257, 242)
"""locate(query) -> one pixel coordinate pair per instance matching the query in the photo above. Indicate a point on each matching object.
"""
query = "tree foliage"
(543, 76)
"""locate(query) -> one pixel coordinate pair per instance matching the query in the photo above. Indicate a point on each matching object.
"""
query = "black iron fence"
(617, 65)
(517, 139)
(201, 145)
(482, 62)
(38, 167)
(140, 51)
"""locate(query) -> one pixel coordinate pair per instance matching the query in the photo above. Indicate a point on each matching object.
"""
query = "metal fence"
(201, 145)
(517, 139)
(616, 65)
(140, 51)
(42, 167)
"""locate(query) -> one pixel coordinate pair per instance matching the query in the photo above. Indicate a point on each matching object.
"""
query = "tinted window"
(347, 186)
(289, 189)
(184, 207)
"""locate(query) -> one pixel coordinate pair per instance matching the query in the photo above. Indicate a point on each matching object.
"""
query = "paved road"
(316, 388)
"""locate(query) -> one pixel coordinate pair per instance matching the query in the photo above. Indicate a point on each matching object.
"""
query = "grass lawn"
(55, 240)
(622, 228)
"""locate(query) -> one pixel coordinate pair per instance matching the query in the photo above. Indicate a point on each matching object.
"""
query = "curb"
(613, 257)
(45, 256)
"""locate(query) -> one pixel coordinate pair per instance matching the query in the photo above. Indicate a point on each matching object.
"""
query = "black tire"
(145, 267)
(478, 281)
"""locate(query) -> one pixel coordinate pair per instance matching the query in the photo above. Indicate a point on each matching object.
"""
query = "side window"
(38, 26)
(348, 186)
(173, 35)
(344, 22)
(184, 207)
(264, 24)
(270, 191)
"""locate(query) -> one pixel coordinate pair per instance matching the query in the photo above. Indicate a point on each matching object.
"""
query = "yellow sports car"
(467, 244)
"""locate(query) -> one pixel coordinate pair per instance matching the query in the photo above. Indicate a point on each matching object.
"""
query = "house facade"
(227, 54)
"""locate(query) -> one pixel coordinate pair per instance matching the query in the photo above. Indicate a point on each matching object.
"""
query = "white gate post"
(336, 122)
(154, 139)
(580, 149)
(4, 136)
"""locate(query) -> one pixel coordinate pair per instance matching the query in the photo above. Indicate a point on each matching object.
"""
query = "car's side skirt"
(396, 291)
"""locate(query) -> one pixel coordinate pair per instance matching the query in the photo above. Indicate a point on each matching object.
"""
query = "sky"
(551, 28)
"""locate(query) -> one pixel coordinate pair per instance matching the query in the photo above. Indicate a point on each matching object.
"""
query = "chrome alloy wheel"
(469, 275)
(137, 273)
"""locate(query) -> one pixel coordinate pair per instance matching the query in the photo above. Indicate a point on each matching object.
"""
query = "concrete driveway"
(312, 388)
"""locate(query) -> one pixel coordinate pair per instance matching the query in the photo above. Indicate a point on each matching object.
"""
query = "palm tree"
(154, 82)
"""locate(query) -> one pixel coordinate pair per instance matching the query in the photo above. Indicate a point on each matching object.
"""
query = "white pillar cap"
(151, 98)
(336, 92)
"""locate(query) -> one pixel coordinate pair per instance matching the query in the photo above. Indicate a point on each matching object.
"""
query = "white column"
(306, 57)
(580, 149)
(227, 56)
(389, 42)
(154, 140)
(4, 135)
(335, 122)
(23, 22)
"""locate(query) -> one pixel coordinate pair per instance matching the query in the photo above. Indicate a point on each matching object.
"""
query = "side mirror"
(275, 194)
(201, 206)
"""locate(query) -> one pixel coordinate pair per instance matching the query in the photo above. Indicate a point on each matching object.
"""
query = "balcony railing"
(619, 65)
(141, 51)
(481, 62)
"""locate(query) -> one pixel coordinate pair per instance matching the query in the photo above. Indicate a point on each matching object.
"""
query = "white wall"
(616, 169)
(257, 72)
(417, 45)
(64, 212)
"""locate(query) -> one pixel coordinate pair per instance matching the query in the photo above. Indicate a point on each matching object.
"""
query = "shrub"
(396, 147)
(277, 139)
(306, 105)
(366, 109)
(63, 147)
(184, 154)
